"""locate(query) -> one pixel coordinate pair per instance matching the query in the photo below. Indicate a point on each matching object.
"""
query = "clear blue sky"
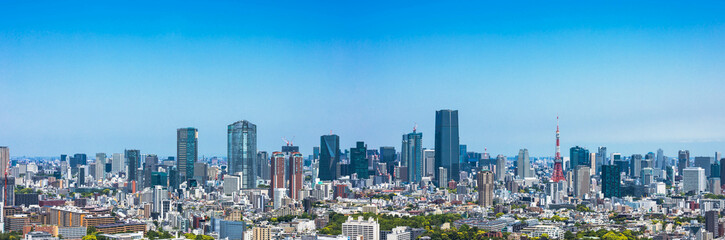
(632, 76)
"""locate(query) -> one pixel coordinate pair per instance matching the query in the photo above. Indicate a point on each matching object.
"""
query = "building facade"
(242, 151)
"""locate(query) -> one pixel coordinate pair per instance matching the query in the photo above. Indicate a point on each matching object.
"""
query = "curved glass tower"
(242, 151)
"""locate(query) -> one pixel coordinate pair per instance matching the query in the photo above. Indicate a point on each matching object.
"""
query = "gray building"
(581, 181)
(523, 164)
(412, 155)
(500, 168)
(447, 147)
(242, 151)
(186, 152)
(704, 163)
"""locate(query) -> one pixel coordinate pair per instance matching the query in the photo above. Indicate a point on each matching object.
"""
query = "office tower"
(261, 233)
(635, 165)
(443, 173)
(296, 175)
(242, 151)
(369, 230)
(232, 184)
(100, 166)
(704, 163)
(485, 188)
(581, 182)
(186, 152)
(718, 156)
(593, 163)
(329, 157)
(387, 156)
(661, 161)
(133, 161)
(500, 168)
(81, 175)
(263, 166)
(611, 186)
(523, 166)
(683, 160)
(713, 185)
(446, 144)
(149, 166)
(201, 172)
(579, 156)
(649, 160)
(159, 194)
(694, 180)
(358, 161)
(411, 155)
(670, 172)
(429, 156)
(4, 159)
(715, 169)
(174, 177)
(722, 170)
(277, 173)
(647, 176)
(117, 163)
(462, 157)
(711, 222)
(601, 157)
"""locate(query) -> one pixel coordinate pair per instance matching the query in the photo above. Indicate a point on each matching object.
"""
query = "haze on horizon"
(87, 77)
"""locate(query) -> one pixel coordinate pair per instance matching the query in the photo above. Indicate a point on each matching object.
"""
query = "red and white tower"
(558, 171)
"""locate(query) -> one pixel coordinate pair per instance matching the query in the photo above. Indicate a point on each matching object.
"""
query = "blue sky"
(101, 77)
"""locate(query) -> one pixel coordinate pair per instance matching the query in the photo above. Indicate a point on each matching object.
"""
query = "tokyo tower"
(558, 172)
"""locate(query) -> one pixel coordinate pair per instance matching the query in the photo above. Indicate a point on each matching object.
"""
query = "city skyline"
(633, 79)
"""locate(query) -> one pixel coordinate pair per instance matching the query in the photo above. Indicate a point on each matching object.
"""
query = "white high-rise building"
(368, 229)
(429, 156)
(159, 195)
(117, 163)
(100, 166)
(694, 179)
(4, 158)
(232, 184)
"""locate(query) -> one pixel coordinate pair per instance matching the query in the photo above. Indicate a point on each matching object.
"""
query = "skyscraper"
(429, 156)
(704, 163)
(722, 170)
(661, 161)
(694, 180)
(264, 165)
(711, 222)
(100, 166)
(635, 165)
(242, 151)
(578, 156)
(500, 168)
(149, 166)
(359, 161)
(601, 157)
(412, 155)
(329, 157)
(277, 174)
(4, 159)
(611, 186)
(387, 156)
(296, 175)
(133, 159)
(485, 188)
(523, 164)
(683, 160)
(446, 143)
(117, 163)
(186, 152)
(581, 182)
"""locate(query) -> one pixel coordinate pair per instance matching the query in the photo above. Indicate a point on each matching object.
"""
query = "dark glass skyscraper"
(611, 186)
(446, 144)
(186, 152)
(359, 161)
(242, 151)
(412, 155)
(683, 160)
(133, 159)
(329, 165)
(579, 156)
(387, 156)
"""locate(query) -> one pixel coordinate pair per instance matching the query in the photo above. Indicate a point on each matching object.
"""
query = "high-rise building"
(264, 165)
(242, 151)
(711, 222)
(578, 156)
(387, 156)
(117, 163)
(446, 143)
(694, 180)
(261, 233)
(601, 157)
(277, 174)
(412, 155)
(329, 157)
(523, 164)
(704, 163)
(661, 159)
(359, 161)
(581, 182)
(4, 160)
(149, 166)
(296, 175)
(201, 173)
(500, 168)
(611, 185)
(443, 173)
(133, 161)
(485, 188)
(82, 175)
(683, 160)
(722, 170)
(368, 229)
(429, 156)
(186, 152)
(635, 165)
(100, 166)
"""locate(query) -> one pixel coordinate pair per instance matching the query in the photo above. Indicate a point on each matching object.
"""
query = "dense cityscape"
(396, 192)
